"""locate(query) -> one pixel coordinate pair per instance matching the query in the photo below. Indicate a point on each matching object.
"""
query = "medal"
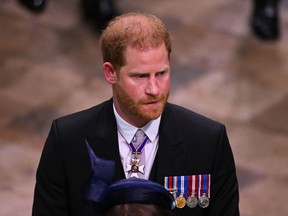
(204, 185)
(180, 202)
(190, 190)
(203, 201)
(135, 168)
(192, 201)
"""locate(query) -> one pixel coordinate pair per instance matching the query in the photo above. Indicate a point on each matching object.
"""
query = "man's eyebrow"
(164, 69)
(136, 72)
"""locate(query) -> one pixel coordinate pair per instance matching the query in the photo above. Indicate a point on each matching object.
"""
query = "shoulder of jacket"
(185, 114)
(86, 113)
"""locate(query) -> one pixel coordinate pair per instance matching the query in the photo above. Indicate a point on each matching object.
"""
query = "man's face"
(142, 87)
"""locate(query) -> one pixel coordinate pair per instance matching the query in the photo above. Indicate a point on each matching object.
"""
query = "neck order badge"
(136, 169)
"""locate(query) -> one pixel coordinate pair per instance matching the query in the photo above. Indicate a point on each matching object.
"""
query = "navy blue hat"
(136, 190)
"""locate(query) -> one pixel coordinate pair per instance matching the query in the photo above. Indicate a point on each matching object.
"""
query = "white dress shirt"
(126, 133)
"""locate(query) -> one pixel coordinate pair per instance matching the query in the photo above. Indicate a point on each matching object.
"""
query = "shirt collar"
(128, 131)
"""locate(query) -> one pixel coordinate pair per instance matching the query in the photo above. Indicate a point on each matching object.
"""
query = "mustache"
(153, 98)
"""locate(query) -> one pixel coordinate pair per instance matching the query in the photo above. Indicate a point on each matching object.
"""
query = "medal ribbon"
(204, 185)
(139, 149)
(175, 185)
(170, 183)
(196, 185)
(192, 185)
(182, 186)
(193, 192)
(166, 182)
(186, 187)
(208, 185)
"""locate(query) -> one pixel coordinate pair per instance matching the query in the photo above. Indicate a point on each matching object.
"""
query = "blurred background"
(50, 65)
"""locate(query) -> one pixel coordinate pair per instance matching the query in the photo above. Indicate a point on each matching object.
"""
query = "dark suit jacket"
(189, 144)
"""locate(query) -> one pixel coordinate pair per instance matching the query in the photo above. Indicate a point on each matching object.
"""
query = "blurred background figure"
(96, 13)
(33, 5)
(265, 19)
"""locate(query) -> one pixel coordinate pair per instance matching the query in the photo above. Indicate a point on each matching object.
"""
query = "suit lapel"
(170, 158)
(103, 139)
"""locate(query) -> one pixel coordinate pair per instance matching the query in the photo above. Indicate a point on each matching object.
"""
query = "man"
(187, 153)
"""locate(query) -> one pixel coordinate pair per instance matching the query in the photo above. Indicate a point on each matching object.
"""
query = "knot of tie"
(138, 138)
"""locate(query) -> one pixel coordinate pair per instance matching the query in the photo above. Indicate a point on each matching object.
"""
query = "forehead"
(142, 51)
(146, 59)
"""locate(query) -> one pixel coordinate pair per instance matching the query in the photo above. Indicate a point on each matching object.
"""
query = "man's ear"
(109, 72)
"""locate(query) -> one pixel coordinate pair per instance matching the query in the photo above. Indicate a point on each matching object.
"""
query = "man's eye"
(142, 76)
(161, 73)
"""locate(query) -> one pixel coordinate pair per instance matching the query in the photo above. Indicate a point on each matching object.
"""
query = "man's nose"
(152, 87)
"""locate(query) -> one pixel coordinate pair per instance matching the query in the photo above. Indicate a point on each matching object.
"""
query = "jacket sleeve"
(224, 187)
(50, 196)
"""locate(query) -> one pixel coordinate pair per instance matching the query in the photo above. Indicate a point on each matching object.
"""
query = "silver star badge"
(134, 168)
